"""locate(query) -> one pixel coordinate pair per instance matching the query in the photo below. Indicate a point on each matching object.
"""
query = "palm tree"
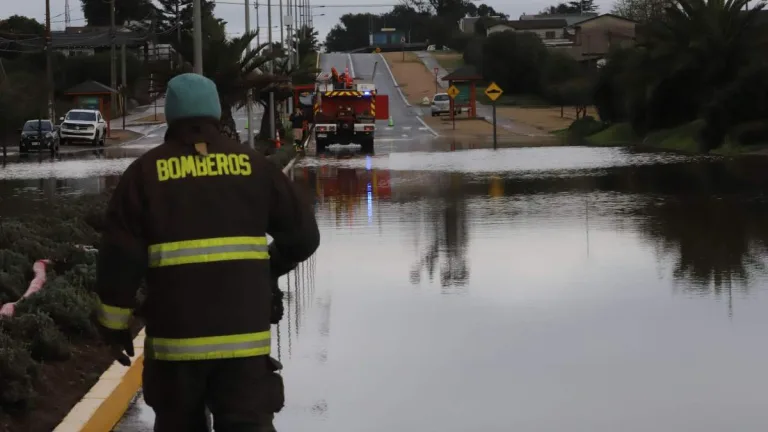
(684, 58)
(305, 73)
(235, 71)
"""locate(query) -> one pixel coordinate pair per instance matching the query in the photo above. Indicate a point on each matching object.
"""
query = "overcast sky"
(234, 14)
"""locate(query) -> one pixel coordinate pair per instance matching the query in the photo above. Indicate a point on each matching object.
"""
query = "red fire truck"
(345, 112)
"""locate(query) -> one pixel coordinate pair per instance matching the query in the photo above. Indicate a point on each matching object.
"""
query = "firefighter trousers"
(242, 394)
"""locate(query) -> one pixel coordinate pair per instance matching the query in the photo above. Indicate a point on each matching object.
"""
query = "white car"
(83, 125)
(441, 103)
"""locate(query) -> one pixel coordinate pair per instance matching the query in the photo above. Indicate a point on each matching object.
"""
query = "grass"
(618, 134)
(450, 61)
(682, 138)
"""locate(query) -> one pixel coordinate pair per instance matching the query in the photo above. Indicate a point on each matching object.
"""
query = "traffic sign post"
(493, 92)
(453, 91)
(436, 71)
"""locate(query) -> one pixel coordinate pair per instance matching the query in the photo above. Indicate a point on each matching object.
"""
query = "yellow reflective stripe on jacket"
(208, 348)
(113, 317)
(207, 250)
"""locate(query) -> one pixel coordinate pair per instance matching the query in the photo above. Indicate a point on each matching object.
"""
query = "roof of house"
(534, 24)
(571, 19)
(603, 16)
(464, 73)
(91, 87)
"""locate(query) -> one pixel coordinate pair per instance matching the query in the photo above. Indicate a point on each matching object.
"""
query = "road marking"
(421, 120)
(423, 128)
(394, 81)
(406, 128)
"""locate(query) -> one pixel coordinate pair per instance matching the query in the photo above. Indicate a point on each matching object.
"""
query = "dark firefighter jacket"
(195, 227)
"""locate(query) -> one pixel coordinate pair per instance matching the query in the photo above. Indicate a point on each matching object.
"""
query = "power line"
(363, 5)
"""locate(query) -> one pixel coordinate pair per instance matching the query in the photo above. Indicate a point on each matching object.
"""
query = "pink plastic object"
(36, 285)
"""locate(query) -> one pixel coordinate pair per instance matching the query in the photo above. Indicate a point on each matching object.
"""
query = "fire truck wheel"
(320, 145)
(367, 145)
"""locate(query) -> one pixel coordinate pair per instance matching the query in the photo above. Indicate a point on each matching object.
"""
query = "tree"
(235, 71)
(168, 20)
(97, 12)
(19, 28)
(18, 25)
(515, 61)
(303, 74)
(351, 32)
(306, 39)
(683, 62)
(640, 10)
(572, 7)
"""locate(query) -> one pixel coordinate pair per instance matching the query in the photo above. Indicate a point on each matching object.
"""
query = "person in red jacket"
(190, 217)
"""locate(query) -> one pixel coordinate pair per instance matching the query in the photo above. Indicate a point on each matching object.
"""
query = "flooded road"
(542, 289)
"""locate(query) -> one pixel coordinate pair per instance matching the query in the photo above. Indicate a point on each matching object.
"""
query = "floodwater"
(540, 289)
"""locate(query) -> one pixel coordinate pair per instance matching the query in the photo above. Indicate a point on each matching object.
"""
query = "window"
(81, 116)
(549, 35)
(441, 97)
(32, 126)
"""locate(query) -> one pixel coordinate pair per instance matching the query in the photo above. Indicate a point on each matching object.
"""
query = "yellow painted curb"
(108, 400)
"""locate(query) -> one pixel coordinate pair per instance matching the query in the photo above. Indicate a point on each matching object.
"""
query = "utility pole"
(249, 93)
(282, 35)
(112, 58)
(289, 22)
(124, 75)
(258, 25)
(48, 62)
(271, 72)
(198, 36)
(178, 32)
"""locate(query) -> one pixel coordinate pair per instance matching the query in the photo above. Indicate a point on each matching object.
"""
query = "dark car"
(38, 135)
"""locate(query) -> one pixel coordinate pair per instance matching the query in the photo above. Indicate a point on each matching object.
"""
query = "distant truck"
(345, 112)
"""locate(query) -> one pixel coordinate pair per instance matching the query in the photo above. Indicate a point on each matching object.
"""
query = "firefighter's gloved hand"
(277, 303)
(120, 344)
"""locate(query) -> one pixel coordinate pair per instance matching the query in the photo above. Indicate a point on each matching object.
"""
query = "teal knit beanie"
(191, 95)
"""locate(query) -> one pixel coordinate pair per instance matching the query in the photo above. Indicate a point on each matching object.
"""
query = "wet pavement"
(578, 289)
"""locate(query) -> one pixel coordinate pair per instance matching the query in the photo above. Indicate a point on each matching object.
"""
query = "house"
(551, 31)
(467, 24)
(595, 37)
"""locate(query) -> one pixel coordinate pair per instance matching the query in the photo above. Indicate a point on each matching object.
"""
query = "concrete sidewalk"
(483, 111)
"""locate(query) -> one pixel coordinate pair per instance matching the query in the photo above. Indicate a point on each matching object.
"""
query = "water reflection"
(448, 236)
(707, 217)
(299, 289)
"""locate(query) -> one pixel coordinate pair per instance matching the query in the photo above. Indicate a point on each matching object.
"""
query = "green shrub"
(585, 127)
(70, 307)
(17, 373)
(750, 133)
(46, 342)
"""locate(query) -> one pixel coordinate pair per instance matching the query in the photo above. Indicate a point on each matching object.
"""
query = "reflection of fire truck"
(345, 112)
(332, 182)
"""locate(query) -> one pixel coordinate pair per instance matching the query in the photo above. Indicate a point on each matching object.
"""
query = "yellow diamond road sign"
(453, 92)
(493, 91)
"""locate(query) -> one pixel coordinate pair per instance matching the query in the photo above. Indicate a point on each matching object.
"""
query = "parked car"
(83, 125)
(441, 104)
(38, 135)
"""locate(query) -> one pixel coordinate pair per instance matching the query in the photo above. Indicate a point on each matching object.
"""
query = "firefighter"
(190, 217)
(297, 123)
